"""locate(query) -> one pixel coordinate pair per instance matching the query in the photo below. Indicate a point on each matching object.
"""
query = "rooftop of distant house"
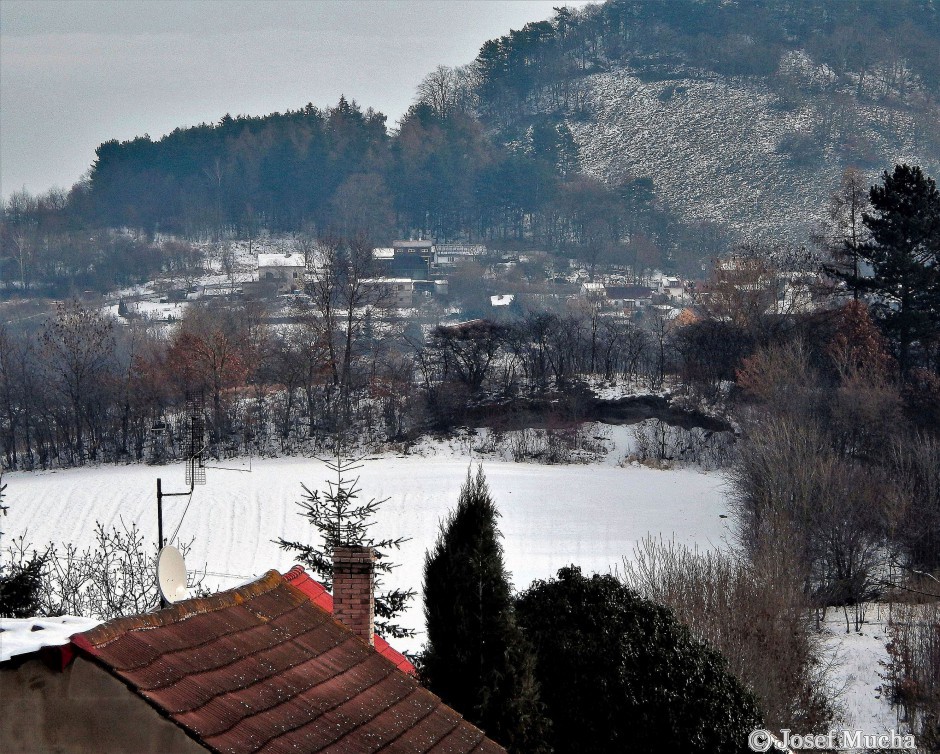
(422, 244)
(629, 291)
(281, 260)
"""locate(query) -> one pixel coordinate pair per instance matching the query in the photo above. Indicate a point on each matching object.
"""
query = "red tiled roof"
(266, 668)
(317, 593)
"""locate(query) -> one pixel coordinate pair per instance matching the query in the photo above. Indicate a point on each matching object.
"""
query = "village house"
(672, 288)
(628, 299)
(593, 290)
(261, 668)
(452, 254)
(406, 259)
(394, 293)
(284, 270)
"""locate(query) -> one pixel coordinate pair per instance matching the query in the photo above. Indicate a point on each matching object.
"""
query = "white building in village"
(287, 270)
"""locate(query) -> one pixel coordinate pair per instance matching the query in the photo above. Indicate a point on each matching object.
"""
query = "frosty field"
(590, 515)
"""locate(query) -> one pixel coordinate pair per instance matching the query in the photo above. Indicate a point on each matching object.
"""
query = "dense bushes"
(19, 582)
(829, 465)
(755, 613)
(618, 672)
(914, 669)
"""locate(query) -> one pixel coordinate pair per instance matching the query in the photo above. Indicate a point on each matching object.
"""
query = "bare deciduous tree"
(79, 343)
(754, 612)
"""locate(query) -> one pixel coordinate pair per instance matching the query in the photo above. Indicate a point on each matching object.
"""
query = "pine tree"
(476, 658)
(904, 253)
(341, 518)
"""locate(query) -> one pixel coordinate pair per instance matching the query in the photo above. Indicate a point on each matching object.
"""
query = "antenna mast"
(195, 464)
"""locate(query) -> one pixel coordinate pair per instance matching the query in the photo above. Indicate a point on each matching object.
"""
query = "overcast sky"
(75, 73)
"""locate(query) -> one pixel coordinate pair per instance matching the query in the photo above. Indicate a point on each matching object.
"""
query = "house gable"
(82, 709)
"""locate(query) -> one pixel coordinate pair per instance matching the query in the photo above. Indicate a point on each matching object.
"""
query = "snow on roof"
(280, 260)
(20, 636)
(504, 299)
(412, 244)
(386, 281)
(667, 311)
(383, 253)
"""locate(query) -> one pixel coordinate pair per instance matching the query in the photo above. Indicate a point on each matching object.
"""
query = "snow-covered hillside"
(735, 151)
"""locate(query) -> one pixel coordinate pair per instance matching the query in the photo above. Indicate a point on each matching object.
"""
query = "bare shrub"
(525, 444)
(913, 672)
(116, 577)
(781, 378)
(755, 614)
(559, 444)
(790, 488)
(916, 465)
(658, 442)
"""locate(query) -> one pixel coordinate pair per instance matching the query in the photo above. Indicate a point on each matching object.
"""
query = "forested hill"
(646, 132)
(740, 112)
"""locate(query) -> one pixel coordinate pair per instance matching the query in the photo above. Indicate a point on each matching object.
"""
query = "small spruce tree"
(476, 657)
(341, 518)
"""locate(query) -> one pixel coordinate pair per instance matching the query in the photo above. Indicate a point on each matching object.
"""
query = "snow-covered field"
(590, 515)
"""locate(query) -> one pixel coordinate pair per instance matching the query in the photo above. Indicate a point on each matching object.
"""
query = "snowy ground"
(859, 662)
(589, 515)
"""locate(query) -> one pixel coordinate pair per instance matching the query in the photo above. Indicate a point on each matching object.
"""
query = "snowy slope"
(715, 147)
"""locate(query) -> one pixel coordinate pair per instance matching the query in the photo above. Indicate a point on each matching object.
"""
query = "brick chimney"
(353, 581)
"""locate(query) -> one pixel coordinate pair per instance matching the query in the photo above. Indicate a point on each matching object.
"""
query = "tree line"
(76, 388)
(81, 388)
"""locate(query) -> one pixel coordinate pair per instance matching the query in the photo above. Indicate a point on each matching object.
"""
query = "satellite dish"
(171, 575)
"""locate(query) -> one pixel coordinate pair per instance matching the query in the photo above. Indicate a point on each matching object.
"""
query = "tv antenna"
(195, 474)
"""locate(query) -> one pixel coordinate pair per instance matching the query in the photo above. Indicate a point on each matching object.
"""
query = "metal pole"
(160, 495)
(159, 515)
(163, 602)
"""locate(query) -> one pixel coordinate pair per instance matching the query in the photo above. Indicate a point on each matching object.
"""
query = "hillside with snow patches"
(748, 153)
